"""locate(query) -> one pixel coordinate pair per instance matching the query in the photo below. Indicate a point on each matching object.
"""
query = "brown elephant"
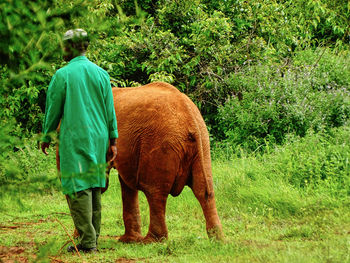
(163, 145)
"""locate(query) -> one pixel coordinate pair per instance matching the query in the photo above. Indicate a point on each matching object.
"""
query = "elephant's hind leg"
(157, 228)
(213, 225)
(131, 214)
(207, 202)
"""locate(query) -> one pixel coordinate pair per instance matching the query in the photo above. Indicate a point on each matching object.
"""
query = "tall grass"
(310, 172)
(288, 204)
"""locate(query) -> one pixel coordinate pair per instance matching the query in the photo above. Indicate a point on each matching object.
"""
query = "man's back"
(80, 95)
(86, 90)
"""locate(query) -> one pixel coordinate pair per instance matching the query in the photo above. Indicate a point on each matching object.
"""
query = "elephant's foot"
(127, 238)
(157, 231)
(216, 233)
(151, 238)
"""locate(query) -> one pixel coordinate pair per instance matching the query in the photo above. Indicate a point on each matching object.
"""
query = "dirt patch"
(125, 260)
(12, 254)
(22, 224)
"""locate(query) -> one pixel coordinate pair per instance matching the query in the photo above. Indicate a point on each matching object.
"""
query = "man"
(80, 96)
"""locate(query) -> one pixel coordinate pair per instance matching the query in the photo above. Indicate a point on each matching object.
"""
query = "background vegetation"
(283, 59)
(272, 80)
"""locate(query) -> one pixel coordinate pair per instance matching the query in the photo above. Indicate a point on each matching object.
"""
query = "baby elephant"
(163, 145)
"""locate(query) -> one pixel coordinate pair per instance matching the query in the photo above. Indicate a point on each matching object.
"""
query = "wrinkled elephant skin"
(163, 145)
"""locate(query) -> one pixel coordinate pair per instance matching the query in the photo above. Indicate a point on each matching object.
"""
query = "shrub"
(318, 162)
(7, 142)
(270, 102)
(23, 168)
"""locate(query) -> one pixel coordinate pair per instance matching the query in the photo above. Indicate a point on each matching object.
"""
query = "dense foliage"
(272, 104)
(257, 70)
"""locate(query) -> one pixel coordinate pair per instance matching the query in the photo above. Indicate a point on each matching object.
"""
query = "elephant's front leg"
(157, 228)
(131, 214)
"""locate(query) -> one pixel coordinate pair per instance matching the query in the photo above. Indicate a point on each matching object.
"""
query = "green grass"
(267, 215)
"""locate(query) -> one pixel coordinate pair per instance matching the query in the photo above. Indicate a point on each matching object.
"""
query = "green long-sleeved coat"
(80, 95)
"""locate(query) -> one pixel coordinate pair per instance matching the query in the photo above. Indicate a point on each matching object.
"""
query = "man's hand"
(113, 147)
(44, 146)
(114, 152)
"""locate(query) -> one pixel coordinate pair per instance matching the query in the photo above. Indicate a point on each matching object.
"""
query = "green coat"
(80, 95)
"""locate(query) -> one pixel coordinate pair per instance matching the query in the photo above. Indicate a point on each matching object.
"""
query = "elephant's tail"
(198, 133)
(203, 166)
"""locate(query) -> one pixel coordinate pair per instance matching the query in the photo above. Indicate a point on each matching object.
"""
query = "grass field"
(279, 206)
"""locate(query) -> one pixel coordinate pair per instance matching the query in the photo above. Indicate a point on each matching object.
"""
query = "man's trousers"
(85, 208)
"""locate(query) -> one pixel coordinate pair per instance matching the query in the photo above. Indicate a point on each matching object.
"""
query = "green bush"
(285, 26)
(23, 167)
(327, 69)
(270, 102)
(7, 142)
(318, 162)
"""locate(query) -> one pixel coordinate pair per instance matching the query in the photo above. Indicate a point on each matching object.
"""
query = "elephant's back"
(153, 96)
(156, 105)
